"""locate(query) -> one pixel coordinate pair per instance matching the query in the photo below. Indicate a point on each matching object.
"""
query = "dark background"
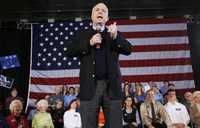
(15, 33)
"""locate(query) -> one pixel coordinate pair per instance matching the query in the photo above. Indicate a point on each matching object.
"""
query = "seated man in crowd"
(153, 113)
(195, 109)
(177, 112)
(56, 97)
(70, 96)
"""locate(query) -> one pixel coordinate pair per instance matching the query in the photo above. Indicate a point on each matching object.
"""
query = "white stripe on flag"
(125, 71)
(156, 70)
(156, 55)
(55, 73)
(152, 27)
(158, 40)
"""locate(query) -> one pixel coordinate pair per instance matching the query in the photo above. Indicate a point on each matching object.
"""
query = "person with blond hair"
(16, 119)
(42, 119)
(195, 109)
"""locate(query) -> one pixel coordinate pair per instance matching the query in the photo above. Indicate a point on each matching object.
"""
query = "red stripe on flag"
(150, 34)
(148, 21)
(158, 77)
(131, 78)
(55, 81)
(155, 62)
(36, 95)
(166, 47)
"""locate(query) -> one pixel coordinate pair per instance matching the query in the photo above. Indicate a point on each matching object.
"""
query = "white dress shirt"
(72, 119)
(177, 113)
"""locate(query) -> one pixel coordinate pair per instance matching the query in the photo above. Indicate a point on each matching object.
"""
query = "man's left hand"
(112, 29)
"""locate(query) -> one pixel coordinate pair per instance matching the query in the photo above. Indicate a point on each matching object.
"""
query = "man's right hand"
(96, 39)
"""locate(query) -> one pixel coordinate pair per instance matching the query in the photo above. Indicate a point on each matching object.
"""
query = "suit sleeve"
(121, 45)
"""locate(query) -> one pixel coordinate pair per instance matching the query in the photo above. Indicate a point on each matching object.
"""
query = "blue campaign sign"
(10, 61)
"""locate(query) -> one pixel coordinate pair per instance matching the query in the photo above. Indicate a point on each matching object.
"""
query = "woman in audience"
(72, 119)
(130, 114)
(195, 109)
(13, 96)
(16, 119)
(127, 90)
(57, 114)
(139, 93)
(42, 119)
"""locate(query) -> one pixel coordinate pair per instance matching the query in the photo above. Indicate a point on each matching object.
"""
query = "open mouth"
(99, 17)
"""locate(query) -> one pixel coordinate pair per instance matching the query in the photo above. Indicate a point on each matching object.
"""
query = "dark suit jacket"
(80, 46)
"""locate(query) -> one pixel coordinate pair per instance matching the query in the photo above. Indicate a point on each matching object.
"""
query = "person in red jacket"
(16, 119)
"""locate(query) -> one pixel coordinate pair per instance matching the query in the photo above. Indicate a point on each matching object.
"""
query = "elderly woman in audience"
(13, 96)
(130, 114)
(195, 109)
(42, 119)
(72, 119)
(16, 119)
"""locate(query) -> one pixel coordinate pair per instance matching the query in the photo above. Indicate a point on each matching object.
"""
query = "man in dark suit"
(100, 78)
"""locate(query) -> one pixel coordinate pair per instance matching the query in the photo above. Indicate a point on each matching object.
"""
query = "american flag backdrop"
(160, 52)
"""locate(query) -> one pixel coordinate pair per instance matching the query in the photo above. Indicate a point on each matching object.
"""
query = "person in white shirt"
(72, 119)
(177, 112)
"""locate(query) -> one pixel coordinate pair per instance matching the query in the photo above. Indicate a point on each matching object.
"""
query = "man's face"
(188, 96)
(100, 14)
(150, 96)
(14, 93)
(172, 96)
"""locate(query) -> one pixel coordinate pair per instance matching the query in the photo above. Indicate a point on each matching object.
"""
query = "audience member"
(57, 114)
(195, 109)
(42, 119)
(188, 100)
(77, 91)
(130, 114)
(72, 119)
(15, 119)
(177, 112)
(153, 113)
(127, 91)
(13, 96)
(158, 95)
(139, 93)
(55, 97)
(70, 96)
(165, 87)
(32, 113)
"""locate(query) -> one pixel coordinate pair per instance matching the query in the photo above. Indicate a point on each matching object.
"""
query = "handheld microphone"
(98, 29)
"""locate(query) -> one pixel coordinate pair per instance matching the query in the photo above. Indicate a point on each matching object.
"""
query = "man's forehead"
(100, 5)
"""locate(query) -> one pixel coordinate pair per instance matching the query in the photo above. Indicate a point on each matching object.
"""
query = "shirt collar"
(101, 29)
